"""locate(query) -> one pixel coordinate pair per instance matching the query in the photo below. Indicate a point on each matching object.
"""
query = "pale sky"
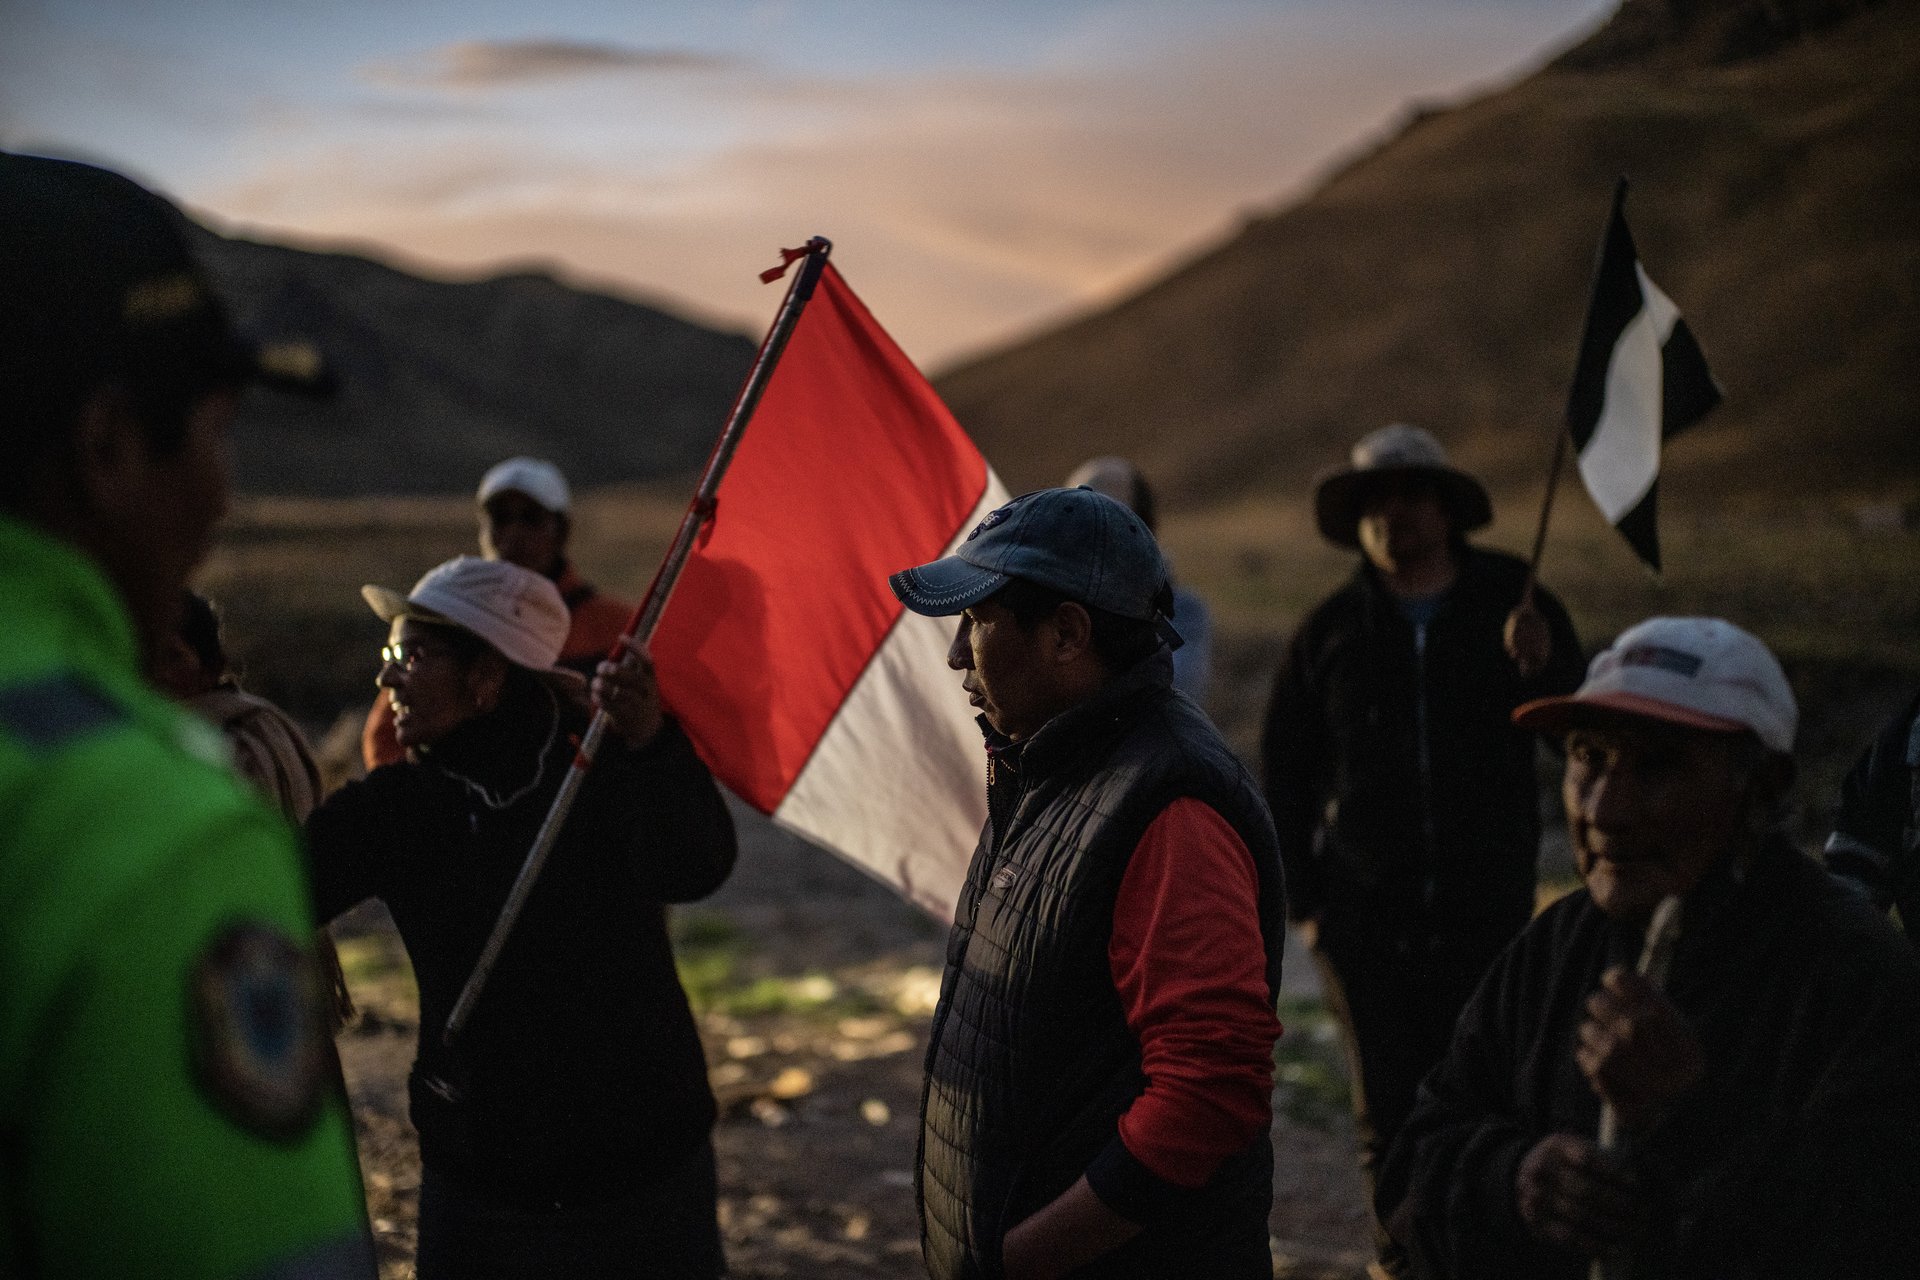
(983, 167)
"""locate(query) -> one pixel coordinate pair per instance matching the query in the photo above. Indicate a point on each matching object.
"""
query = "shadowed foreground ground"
(815, 988)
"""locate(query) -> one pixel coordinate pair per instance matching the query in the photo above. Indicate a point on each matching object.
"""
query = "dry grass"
(1837, 601)
(1810, 580)
(287, 572)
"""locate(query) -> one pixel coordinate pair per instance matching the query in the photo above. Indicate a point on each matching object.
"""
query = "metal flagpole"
(1554, 469)
(647, 616)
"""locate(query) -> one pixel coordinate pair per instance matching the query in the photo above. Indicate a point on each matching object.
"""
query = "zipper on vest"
(1003, 801)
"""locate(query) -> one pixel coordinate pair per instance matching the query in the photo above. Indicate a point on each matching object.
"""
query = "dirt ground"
(815, 988)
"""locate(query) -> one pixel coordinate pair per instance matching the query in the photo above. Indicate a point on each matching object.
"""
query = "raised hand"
(1636, 1049)
(630, 695)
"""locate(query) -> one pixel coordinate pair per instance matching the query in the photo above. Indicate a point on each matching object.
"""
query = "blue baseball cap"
(1081, 543)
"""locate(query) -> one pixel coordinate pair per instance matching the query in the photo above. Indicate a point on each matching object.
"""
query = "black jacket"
(1876, 837)
(581, 1071)
(1382, 839)
(1798, 1155)
(1030, 1062)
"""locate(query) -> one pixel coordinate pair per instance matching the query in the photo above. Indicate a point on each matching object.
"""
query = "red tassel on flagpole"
(787, 258)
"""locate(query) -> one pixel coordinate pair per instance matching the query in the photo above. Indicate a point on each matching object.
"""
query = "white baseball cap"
(535, 477)
(1704, 673)
(517, 611)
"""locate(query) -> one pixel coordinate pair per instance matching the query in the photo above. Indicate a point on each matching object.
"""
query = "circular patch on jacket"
(256, 1031)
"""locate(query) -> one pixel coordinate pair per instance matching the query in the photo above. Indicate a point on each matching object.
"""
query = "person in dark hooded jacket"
(1405, 800)
(567, 1130)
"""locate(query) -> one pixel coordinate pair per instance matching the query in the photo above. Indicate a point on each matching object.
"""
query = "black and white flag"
(1640, 378)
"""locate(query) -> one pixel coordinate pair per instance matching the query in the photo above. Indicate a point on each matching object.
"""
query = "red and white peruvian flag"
(807, 688)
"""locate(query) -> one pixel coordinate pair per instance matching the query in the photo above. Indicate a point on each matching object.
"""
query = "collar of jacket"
(1081, 727)
(503, 750)
(1379, 598)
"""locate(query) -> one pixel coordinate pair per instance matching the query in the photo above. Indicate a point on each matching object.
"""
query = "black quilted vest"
(1030, 1063)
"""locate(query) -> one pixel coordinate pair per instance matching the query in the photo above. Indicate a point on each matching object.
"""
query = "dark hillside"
(439, 380)
(1441, 279)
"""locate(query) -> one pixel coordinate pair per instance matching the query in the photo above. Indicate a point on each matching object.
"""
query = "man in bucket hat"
(1405, 801)
(1101, 1059)
(1768, 1094)
(163, 1086)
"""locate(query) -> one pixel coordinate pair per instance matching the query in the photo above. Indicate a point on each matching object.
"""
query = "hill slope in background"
(440, 380)
(1442, 279)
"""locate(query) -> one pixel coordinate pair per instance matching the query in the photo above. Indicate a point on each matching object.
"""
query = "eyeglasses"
(407, 654)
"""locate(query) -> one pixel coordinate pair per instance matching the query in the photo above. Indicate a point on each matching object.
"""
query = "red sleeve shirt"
(1189, 961)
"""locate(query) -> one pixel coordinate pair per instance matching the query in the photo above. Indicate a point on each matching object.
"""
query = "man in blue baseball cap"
(1100, 1066)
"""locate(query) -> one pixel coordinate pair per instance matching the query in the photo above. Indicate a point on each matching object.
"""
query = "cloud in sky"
(979, 178)
(489, 64)
(966, 206)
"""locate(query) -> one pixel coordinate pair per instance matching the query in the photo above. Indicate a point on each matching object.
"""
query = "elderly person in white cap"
(578, 1141)
(1406, 801)
(526, 516)
(1769, 1095)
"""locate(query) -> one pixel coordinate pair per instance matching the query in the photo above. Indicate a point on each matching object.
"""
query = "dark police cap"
(96, 277)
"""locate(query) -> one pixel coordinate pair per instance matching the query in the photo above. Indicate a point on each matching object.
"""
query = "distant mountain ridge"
(440, 380)
(1441, 278)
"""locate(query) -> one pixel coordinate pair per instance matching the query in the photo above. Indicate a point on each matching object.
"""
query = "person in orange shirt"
(525, 518)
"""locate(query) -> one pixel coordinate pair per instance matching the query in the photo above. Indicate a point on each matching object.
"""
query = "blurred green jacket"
(163, 1107)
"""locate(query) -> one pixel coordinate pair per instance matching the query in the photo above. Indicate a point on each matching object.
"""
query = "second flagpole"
(1564, 429)
(1554, 469)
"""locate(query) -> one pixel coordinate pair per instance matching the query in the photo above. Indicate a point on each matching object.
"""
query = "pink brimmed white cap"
(1704, 673)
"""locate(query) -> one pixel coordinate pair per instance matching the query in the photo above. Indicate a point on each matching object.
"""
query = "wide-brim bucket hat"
(1340, 496)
